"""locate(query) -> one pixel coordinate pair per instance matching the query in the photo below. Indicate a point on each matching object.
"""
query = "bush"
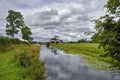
(5, 43)
(28, 57)
(37, 71)
(22, 57)
(25, 60)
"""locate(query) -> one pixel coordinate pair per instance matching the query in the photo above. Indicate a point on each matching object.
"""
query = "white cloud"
(67, 18)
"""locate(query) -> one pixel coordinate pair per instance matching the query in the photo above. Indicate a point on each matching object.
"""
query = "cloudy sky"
(68, 19)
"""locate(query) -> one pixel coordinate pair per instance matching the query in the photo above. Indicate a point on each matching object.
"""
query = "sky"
(68, 19)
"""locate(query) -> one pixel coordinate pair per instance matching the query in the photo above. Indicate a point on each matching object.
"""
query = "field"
(90, 53)
(13, 63)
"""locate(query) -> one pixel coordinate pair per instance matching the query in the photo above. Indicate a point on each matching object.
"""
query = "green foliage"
(55, 39)
(37, 72)
(26, 32)
(113, 6)
(81, 48)
(22, 57)
(95, 39)
(14, 22)
(6, 43)
(24, 64)
(28, 58)
(8, 68)
(25, 60)
(108, 31)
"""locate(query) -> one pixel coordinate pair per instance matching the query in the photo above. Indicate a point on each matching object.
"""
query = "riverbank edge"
(92, 61)
(11, 68)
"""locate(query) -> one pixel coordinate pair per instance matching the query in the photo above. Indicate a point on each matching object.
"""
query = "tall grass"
(6, 43)
(20, 60)
(28, 57)
(9, 70)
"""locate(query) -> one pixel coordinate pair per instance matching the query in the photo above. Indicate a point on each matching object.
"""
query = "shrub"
(22, 57)
(25, 60)
(28, 57)
(5, 43)
(37, 71)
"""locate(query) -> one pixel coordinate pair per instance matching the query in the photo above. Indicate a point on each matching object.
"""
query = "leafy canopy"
(15, 23)
(108, 31)
(26, 32)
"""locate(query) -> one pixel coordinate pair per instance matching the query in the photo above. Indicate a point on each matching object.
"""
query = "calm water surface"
(61, 66)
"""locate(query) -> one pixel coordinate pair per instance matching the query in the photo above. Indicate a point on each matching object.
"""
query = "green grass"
(90, 49)
(90, 53)
(9, 70)
(12, 69)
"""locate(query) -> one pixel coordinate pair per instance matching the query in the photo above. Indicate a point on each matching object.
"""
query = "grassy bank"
(21, 63)
(90, 53)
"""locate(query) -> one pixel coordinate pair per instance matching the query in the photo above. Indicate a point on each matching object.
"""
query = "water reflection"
(61, 66)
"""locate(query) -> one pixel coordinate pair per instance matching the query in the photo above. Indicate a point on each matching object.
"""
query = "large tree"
(26, 32)
(14, 22)
(108, 31)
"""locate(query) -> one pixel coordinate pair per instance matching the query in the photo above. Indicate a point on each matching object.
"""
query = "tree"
(113, 7)
(26, 32)
(14, 22)
(108, 31)
(55, 39)
(95, 39)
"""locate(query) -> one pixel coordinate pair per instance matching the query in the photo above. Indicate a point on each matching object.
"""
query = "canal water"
(62, 66)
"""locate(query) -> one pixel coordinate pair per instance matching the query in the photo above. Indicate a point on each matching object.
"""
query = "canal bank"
(61, 66)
